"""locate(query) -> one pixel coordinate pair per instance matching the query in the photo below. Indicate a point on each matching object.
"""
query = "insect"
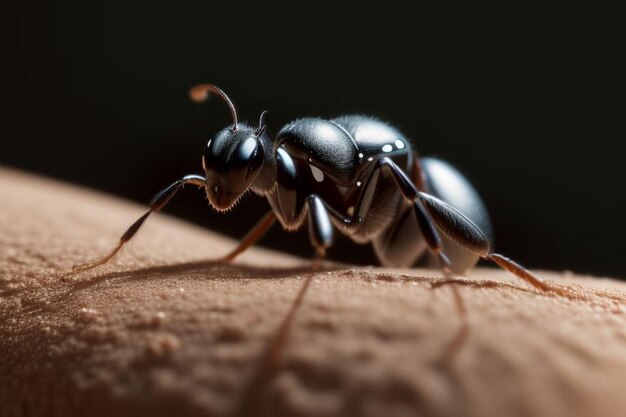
(353, 174)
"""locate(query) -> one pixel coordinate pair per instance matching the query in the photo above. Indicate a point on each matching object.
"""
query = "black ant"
(355, 174)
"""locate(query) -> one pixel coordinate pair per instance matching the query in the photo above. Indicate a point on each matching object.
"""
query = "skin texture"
(159, 332)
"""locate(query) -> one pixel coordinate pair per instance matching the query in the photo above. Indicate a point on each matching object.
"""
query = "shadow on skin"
(203, 270)
(211, 270)
(216, 270)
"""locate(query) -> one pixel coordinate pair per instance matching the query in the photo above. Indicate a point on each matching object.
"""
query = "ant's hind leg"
(427, 227)
(455, 226)
(466, 234)
(410, 192)
(518, 270)
(157, 203)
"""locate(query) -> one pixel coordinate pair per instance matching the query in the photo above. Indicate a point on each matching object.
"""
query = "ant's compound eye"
(232, 160)
(248, 157)
(246, 151)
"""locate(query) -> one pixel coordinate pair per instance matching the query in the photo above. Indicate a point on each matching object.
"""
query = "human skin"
(158, 331)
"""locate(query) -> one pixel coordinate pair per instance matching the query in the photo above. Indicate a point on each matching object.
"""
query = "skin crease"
(158, 332)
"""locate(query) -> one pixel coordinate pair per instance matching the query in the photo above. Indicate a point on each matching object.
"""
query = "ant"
(354, 174)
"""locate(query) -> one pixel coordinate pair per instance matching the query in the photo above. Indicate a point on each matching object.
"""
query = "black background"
(529, 104)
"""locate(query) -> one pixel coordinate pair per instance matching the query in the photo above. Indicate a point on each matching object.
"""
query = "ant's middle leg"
(294, 206)
(320, 226)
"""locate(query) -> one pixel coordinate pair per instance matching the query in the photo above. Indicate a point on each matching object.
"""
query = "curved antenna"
(262, 120)
(200, 93)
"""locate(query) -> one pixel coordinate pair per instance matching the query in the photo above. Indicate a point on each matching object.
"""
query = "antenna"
(200, 93)
(262, 121)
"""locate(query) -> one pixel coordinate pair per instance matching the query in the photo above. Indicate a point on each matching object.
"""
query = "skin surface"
(158, 332)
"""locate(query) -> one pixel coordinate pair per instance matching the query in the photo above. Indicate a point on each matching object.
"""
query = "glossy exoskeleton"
(355, 174)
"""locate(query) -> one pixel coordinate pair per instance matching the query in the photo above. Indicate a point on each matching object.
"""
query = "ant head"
(232, 161)
(233, 158)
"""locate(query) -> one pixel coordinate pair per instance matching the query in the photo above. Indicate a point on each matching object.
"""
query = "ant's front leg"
(156, 204)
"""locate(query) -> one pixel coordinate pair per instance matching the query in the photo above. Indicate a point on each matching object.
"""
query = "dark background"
(529, 104)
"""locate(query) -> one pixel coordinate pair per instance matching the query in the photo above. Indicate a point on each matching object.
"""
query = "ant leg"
(433, 240)
(294, 205)
(253, 236)
(410, 192)
(156, 204)
(320, 226)
(466, 234)
(519, 271)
